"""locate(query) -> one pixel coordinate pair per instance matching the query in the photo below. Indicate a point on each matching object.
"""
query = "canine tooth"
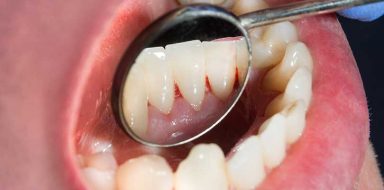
(269, 50)
(220, 66)
(188, 65)
(272, 137)
(296, 55)
(203, 169)
(295, 121)
(99, 179)
(242, 58)
(299, 87)
(147, 172)
(101, 161)
(159, 80)
(246, 6)
(135, 101)
(245, 167)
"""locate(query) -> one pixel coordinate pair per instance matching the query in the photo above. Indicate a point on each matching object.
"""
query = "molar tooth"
(299, 87)
(246, 167)
(273, 137)
(159, 79)
(147, 172)
(246, 6)
(242, 58)
(220, 57)
(295, 121)
(135, 101)
(99, 179)
(101, 161)
(269, 50)
(188, 65)
(296, 55)
(204, 168)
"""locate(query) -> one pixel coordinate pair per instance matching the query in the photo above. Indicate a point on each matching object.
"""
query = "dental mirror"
(185, 72)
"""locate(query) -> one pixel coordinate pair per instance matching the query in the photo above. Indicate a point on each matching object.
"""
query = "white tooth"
(297, 55)
(99, 179)
(295, 121)
(101, 161)
(188, 65)
(135, 101)
(159, 79)
(203, 169)
(299, 87)
(147, 172)
(245, 167)
(270, 49)
(272, 136)
(242, 58)
(220, 66)
(246, 6)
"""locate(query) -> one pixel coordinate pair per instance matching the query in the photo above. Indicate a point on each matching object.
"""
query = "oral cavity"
(287, 68)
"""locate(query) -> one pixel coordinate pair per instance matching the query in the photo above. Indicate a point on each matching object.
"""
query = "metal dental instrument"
(206, 23)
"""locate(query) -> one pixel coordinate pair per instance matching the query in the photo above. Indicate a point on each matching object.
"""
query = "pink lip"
(54, 77)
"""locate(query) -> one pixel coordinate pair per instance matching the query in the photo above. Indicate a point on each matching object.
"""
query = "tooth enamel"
(270, 49)
(296, 55)
(295, 121)
(159, 80)
(245, 167)
(222, 3)
(188, 64)
(242, 58)
(272, 137)
(204, 168)
(220, 66)
(99, 179)
(299, 87)
(246, 6)
(101, 161)
(135, 104)
(147, 172)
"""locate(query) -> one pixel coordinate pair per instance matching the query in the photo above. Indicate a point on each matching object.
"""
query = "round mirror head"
(182, 75)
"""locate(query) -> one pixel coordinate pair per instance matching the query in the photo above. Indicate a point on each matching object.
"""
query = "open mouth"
(301, 124)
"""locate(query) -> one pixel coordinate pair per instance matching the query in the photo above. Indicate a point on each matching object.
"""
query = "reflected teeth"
(220, 57)
(159, 78)
(204, 168)
(297, 55)
(268, 49)
(242, 59)
(147, 172)
(135, 101)
(246, 6)
(246, 167)
(187, 60)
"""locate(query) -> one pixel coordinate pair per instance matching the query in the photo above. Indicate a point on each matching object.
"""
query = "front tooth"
(272, 136)
(220, 66)
(246, 6)
(204, 168)
(269, 49)
(242, 59)
(299, 87)
(188, 65)
(99, 179)
(295, 121)
(101, 161)
(159, 80)
(245, 167)
(297, 55)
(147, 172)
(135, 101)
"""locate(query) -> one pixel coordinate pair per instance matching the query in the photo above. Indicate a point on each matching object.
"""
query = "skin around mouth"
(57, 77)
